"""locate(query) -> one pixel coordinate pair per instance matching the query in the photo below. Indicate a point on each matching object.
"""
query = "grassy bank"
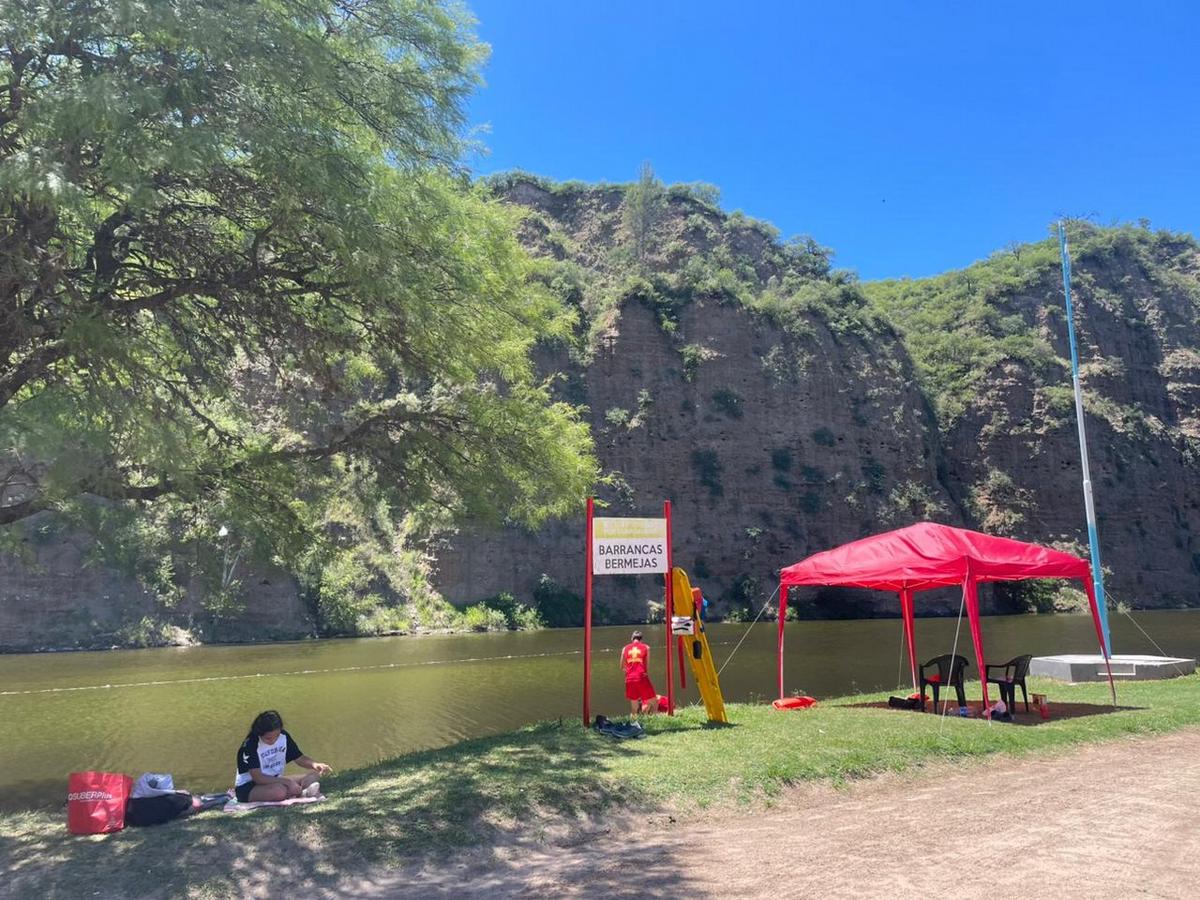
(481, 791)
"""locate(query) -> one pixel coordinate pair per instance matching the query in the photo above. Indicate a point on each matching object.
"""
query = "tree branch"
(22, 510)
(36, 363)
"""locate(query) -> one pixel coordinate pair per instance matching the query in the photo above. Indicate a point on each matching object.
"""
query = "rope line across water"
(397, 665)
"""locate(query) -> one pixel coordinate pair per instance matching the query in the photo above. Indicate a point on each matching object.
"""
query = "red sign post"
(587, 625)
(668, 611)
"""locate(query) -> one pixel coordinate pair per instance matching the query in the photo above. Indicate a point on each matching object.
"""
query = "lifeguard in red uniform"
(635, 662)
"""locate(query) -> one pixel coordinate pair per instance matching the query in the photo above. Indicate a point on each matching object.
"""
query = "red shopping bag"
(96, 802)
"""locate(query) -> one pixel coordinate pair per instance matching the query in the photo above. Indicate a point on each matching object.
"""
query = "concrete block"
(1077, 667)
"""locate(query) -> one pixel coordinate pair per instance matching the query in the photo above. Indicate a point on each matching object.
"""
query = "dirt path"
(1113, 820)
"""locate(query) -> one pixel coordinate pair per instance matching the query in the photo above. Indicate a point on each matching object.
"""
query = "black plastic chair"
(1008, 676)
(950, 671)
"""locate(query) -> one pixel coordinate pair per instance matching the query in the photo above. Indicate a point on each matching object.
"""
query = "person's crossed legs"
(289, 786)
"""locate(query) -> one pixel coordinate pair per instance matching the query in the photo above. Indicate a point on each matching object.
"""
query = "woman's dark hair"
(264, 722)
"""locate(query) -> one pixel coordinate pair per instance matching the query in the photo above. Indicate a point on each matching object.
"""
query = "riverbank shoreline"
(312, 639)
(105, 647)
(557, 782)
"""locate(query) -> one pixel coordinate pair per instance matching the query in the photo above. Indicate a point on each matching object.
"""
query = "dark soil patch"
(1057, 711)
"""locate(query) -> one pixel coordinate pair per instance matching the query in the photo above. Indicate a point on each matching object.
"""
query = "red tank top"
(634, 658)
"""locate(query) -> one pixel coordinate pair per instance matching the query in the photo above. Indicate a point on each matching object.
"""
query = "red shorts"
(641, 689)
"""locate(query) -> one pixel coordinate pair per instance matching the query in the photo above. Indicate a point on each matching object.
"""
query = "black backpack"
(157, 810)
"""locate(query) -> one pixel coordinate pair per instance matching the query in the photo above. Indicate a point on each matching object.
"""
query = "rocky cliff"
(57, 591)
(1007, 416)
(783, 408)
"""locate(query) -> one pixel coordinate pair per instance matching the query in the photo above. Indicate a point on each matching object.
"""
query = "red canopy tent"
(925, 556)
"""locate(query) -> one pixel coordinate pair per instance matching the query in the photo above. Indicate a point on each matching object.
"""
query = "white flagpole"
(1089, 507)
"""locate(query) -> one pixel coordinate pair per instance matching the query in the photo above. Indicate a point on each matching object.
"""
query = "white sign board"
(683, 625)
(629, 546)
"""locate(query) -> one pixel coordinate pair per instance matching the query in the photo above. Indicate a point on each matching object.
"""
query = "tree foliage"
(235, 246)
(642, 208)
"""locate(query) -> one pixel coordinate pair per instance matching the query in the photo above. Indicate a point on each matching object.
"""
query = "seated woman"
(262, 758)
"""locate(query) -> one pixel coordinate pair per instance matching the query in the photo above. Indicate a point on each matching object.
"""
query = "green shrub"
(525, 618)
(146, 632)
(708, 468)
(500, 182)
(874, 473)
(998, 504)
(693, 355)
(344, 595)
(743, 598)
(517, 616)
(383, 620)
(812, 475)
(784, 365)
(824, 437)
(911, 500)
(1040, 595)
(645, 401)
(557, 606)
(437, 616)
(481, 618)
(617, 416)
(701, 192)
(728, 402)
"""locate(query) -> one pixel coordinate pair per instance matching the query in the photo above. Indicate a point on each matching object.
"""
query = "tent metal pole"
(972, 591)
(782, 619)
(906, 610)
(1091, 595)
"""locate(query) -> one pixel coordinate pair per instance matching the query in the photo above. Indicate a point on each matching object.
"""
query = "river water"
(354, 702)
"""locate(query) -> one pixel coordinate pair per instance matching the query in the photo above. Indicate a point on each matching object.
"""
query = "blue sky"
(910, 137)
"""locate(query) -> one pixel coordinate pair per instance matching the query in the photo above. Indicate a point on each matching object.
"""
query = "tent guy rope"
(747, 634)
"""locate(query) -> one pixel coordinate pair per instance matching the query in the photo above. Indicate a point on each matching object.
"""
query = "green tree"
(643, 206)
(236, 245)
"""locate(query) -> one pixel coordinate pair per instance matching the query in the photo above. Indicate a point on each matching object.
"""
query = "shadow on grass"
(1058, 711)
(422, 806)
(681, 724)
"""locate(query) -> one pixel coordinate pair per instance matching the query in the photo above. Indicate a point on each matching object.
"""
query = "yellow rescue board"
(696, 645)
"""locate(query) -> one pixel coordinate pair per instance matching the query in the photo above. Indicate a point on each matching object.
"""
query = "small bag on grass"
(155, 801)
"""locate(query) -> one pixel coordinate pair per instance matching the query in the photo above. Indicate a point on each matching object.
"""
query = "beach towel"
(214, 801)
(235, 807)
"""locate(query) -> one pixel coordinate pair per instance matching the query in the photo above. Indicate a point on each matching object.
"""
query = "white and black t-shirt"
(269, 758)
